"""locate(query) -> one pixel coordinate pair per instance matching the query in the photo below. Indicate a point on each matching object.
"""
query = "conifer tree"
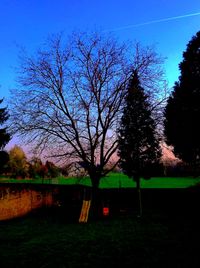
(4, 136)
(138, 142)
(182, 113)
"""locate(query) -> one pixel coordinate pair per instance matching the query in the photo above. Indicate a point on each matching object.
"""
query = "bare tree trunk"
(95, 199)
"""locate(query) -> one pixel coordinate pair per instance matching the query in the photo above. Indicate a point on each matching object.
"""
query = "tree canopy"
(70, 97)
(4, 136)
(138, 141)
(182, 112)
(17, 164)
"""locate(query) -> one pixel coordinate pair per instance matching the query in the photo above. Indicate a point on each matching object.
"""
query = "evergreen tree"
(182, 113)
(138, 143)
(4, 136)
(4, 158)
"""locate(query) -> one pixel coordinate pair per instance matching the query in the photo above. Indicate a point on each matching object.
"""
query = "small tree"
(52, 170)
(182, 112)
(4, 136)
(138, 142)
(17, 164)
(37, 169)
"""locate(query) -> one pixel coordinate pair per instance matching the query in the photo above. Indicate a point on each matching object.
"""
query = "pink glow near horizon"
(167, 154)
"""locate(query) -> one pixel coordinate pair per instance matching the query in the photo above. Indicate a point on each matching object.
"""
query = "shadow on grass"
(48, 239)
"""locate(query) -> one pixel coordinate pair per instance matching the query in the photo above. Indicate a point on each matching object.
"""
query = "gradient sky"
(28, 23)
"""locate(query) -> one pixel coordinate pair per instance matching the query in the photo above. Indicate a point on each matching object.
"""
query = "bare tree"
(70, 97)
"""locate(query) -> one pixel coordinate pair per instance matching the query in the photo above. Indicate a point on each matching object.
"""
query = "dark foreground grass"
(156, 240)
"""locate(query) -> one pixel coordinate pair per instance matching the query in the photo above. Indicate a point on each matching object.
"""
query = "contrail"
(153, 21)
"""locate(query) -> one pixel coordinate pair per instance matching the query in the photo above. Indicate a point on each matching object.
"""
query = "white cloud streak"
(152, 22)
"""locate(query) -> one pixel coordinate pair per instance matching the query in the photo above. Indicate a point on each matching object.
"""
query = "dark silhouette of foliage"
(4, 136)
(4, 158)
(138, 143)
(37, 169)
(52, 170)
(182, 112)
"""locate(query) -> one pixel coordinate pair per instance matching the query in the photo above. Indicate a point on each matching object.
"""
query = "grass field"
(116, 180)
(156, 240)
(167, 236)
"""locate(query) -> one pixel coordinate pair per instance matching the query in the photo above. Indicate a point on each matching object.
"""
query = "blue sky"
(28, 23)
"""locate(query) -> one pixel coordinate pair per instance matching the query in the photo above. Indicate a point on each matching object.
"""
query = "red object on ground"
(105, 211)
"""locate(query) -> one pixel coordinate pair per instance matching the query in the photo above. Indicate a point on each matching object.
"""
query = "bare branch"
(70, 96)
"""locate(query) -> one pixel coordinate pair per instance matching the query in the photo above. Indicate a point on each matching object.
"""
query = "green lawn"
(117, 180)
(156, 240)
